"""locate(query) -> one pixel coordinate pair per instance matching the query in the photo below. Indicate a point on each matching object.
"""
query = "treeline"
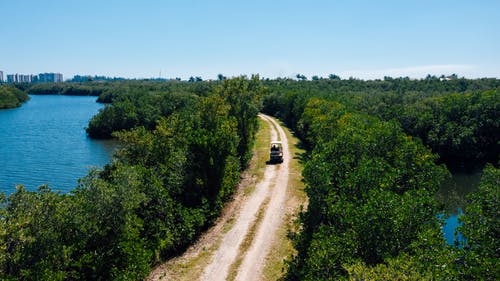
(68, 89)
(106, 91)
(11, 97)
(165, 186)
(372, 214)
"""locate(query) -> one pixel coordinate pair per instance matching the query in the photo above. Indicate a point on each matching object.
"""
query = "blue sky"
(363, 39)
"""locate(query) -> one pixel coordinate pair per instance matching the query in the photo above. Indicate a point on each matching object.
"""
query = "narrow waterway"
(453, 195)
(44, 142)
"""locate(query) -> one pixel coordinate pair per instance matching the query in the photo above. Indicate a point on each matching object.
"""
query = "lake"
(44, 142)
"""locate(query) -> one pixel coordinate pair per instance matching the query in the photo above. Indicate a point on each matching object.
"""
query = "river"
(44, 142)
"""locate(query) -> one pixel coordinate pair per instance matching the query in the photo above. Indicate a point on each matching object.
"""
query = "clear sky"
(139, 39)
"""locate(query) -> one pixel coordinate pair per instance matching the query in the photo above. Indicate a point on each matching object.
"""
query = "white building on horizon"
(30, 78)
(50, 77)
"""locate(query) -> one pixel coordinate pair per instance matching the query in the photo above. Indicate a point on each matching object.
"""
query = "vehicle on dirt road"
(276, 153)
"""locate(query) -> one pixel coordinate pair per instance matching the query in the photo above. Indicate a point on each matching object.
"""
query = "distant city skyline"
(169, 39)
(33, 78)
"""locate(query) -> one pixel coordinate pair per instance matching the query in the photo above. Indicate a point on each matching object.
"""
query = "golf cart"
(276, 153)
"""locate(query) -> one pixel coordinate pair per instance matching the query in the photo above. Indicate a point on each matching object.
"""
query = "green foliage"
(459, 127)
(179, 163)
(68, 89)
(319, 120)
(11, 97)
(136, 109)
(244, 97)
(457, 119)
(108, 227)
(371, 213)
(33, 241)
(481, 227)
(366, 181)
(401, 270)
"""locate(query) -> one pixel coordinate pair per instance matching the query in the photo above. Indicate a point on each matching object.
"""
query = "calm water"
(44, 142)
(453, 195)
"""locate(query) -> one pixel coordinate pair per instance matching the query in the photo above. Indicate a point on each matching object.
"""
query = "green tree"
(11, 97)
(481, 227)
(244, 97)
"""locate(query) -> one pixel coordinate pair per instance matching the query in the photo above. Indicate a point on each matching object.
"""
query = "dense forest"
(166, 185)
(11, 97)
(378, 152)
(457, 119)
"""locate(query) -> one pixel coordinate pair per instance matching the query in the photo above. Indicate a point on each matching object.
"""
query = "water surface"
(44, 142)
(453, 195)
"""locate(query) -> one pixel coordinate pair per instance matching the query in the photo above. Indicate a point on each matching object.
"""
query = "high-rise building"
(18, 78)
(30, 78)
(1, 76)
(43, 77)
(12, 78)
(50, 77)
(24, 78)
(58, 77)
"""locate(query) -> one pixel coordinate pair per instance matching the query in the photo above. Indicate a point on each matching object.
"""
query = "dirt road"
(271, 188)
(256, 218)
(253, 262)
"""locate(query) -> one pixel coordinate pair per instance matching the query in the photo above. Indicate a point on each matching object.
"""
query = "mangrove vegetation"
(11, 97)
(377, 152)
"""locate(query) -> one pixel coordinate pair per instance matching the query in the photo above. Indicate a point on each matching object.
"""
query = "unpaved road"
(268, 199)
(253, 262)
(273, 186)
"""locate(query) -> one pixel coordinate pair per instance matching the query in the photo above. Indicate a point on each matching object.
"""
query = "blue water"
(450, 233)
(44, 142)
(453, 194)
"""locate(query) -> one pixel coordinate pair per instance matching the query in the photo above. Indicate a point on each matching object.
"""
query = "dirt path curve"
(273, 186)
